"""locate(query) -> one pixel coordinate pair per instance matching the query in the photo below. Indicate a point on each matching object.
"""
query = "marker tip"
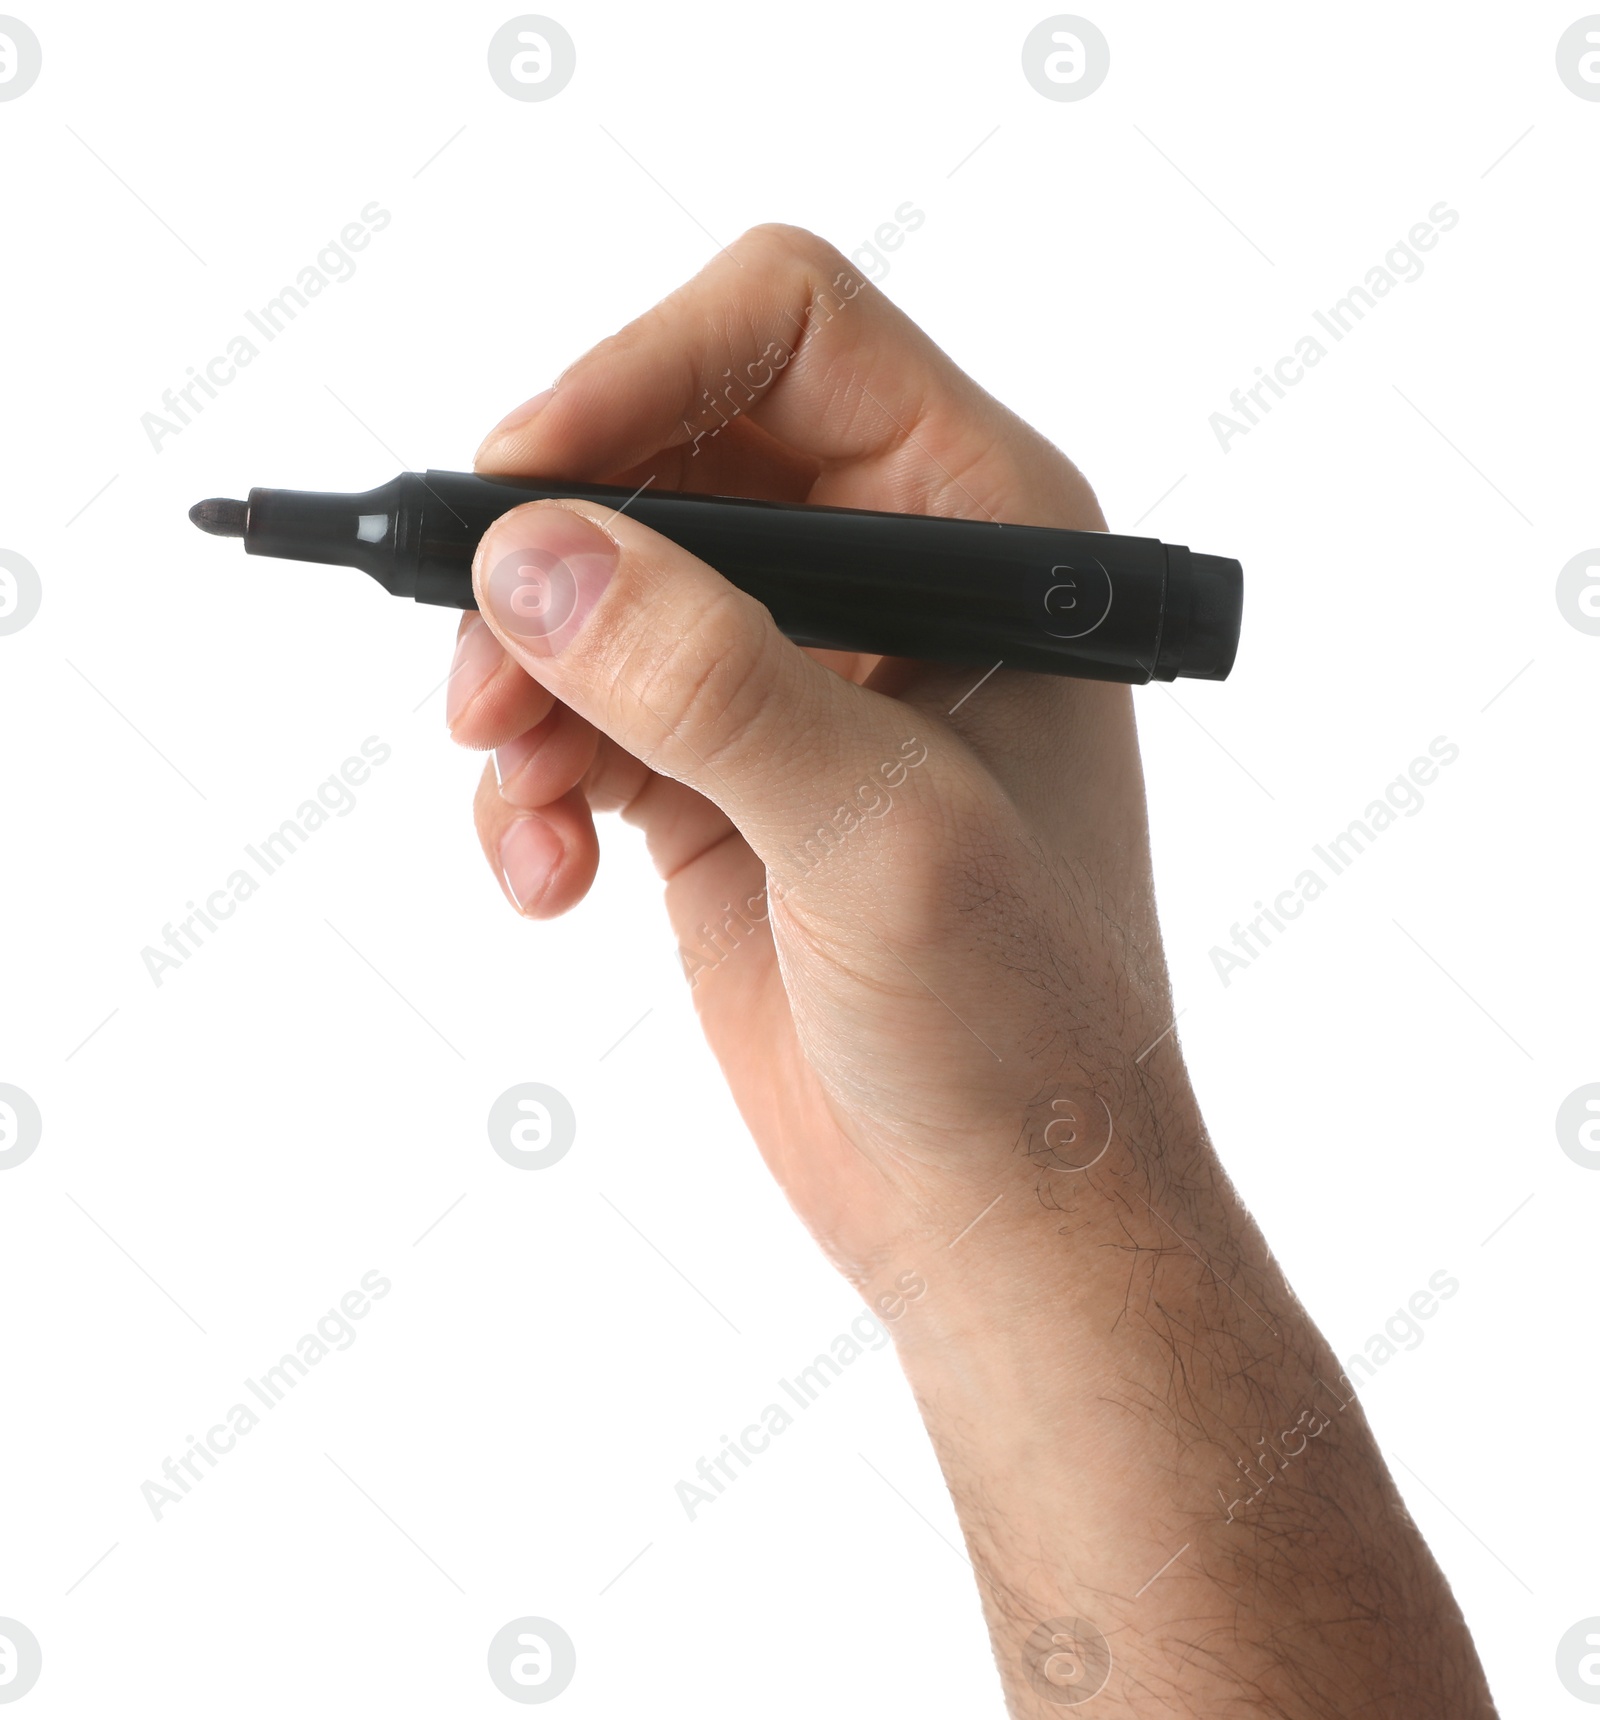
(221, 516)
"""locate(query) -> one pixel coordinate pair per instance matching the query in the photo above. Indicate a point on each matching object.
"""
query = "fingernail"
(547, 568)
(478, 655)
(530, 851)
(518, 417)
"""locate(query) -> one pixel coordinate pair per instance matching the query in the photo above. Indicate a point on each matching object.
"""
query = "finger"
(679, 668)
(616, 781)
(780, 328)
(680, 825)
(544, 762)
(545, 860)
(489, 699)
(736, 459)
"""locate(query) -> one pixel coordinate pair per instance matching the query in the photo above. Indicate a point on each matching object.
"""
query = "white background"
(306, 1096)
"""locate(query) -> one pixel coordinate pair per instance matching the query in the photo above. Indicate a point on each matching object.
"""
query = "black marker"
(1089, 604)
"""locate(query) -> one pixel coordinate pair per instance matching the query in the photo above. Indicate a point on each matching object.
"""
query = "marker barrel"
(1087, 604)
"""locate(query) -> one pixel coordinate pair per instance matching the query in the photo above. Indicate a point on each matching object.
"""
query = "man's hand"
(915, 907)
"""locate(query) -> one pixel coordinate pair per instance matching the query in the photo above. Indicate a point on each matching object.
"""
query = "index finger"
(781, 329)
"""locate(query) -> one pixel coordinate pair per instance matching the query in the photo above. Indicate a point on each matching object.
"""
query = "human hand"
(876, 869)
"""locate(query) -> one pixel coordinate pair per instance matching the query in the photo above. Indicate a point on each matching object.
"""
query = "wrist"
(1037, 1229)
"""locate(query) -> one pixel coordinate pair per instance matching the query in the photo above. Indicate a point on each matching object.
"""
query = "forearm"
(1142, 1429)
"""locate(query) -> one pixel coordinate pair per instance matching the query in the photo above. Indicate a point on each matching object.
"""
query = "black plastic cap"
(1216, 608)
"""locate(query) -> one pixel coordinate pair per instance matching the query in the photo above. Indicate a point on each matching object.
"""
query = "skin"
(946, 1019)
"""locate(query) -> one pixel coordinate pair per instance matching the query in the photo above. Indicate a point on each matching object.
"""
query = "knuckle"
(790, 244)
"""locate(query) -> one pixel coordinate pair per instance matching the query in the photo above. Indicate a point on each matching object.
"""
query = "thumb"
(682, 669)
